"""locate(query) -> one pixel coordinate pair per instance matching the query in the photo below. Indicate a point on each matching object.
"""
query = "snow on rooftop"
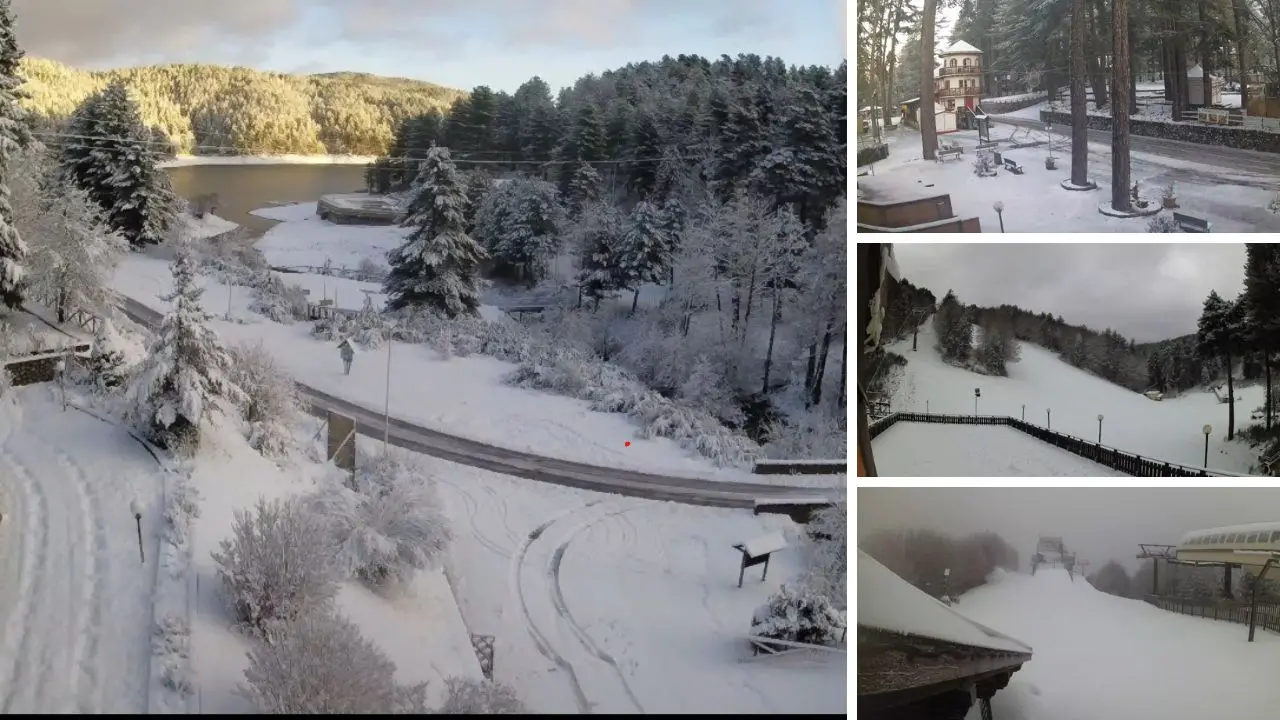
(960, 46)
(1246, 528)
(887, 602)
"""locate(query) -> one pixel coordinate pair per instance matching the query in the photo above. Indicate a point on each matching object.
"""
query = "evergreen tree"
(645, 253)
(672, 220)
(952, 325)
(115, 164)
(1219, 334)
(477, 185)
(438, 264)
(518, 223)
(186, 371)
(584, 189)
(598, 238)
(1262, 301)
(14, 135)
(586, 141)
(647, 144)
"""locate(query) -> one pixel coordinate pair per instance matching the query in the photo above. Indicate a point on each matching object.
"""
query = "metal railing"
(1114, 458)
(1234, 611)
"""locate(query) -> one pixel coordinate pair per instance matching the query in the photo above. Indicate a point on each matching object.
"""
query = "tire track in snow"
(28, 682)
(517, 585)
(472, 508)
(557, 600)
(88, 660)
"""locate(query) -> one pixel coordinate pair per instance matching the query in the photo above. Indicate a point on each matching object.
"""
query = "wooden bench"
(1189, 223)
(944, 153)
(1012, 166)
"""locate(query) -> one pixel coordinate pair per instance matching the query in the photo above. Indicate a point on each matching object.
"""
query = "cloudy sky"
(1146, 291)
(1100, 524)
(460, 43)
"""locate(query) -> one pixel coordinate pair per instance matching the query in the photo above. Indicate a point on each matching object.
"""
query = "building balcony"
(974, 91)
(960, 70)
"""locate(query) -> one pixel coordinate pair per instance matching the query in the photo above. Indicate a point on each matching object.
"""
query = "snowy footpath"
(75, 602)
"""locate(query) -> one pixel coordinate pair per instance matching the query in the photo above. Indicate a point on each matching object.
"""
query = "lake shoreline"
(192, 160)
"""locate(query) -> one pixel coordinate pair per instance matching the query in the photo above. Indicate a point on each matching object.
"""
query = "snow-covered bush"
(1162, 224)
(812, 434)
(271, 398)
(386, 522)
(277, 565)
(370, 270)
(828, 574)
(182, 505)
(468, 696)
(799, 614)
(171, 645)
(321, 664)
(106, 367)
(275, 300)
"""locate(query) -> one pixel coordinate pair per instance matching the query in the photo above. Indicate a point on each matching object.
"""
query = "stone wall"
(874, 153)
(995, 107)
(1240, 138)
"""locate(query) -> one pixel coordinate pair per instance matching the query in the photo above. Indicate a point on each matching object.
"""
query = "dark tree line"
(744, 124)
(921, 556)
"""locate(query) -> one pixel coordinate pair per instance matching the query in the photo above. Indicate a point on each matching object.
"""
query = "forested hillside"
(210, 110)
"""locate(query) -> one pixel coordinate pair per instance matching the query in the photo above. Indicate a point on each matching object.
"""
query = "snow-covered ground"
(75, 595)
(463, 396)
(184, 160)
(1170, 430)
(1101, 656)
(604, 604)
(1233, 200)
(925, 450)
(421, 630)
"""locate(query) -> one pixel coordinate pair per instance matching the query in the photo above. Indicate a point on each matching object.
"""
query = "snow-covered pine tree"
(478, 184)
(438, 264)
(519, 225)
(672, 219)
(598, 236)
(74, 252)
(645, 253)
(584, 188)
(14, 135)
(116, 164)
(186, 371)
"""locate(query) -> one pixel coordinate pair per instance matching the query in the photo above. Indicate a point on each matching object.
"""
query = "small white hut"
(1196, 85)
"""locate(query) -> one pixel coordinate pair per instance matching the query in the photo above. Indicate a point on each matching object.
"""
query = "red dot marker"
(627, 444)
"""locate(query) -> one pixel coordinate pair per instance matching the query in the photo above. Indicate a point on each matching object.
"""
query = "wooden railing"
(973, 90)
(960, 70)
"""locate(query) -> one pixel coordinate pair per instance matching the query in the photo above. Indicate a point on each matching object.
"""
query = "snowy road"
(75, 601)
(694, 491)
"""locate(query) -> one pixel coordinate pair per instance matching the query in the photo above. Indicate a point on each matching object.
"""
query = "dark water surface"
(242, 188)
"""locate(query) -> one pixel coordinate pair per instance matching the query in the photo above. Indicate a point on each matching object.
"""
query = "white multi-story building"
(957, 83)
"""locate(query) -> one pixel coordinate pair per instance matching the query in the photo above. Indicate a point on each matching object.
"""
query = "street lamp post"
(1206, 430)
(135, 507)
(1048, 419)
(386, 406)
(1024, 413)
(1099, 428)
(977, 393)
(999, 208)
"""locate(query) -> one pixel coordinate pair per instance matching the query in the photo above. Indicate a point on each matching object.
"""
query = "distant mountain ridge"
(205, 109)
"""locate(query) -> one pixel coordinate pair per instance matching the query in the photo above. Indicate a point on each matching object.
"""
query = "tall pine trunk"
(844, 368)
(1231, 402)
(1242, 35)
(1133, 68)
(1097, 53)
(928, 123)
(1079, 110)
(1205, 53)
(821, 371)
(1120, 79)
(1266, 364)
(773, 333)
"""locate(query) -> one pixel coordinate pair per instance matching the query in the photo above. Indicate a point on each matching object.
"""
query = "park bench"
(1012, 166)
(1190, 223)
(952, 151)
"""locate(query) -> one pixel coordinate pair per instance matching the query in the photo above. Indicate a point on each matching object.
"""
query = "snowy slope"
(75, 597)
(1100, 656)
(1170, 430)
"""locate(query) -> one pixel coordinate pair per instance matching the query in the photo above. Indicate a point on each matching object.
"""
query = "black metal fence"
(1235, 611)
(1127, 463)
